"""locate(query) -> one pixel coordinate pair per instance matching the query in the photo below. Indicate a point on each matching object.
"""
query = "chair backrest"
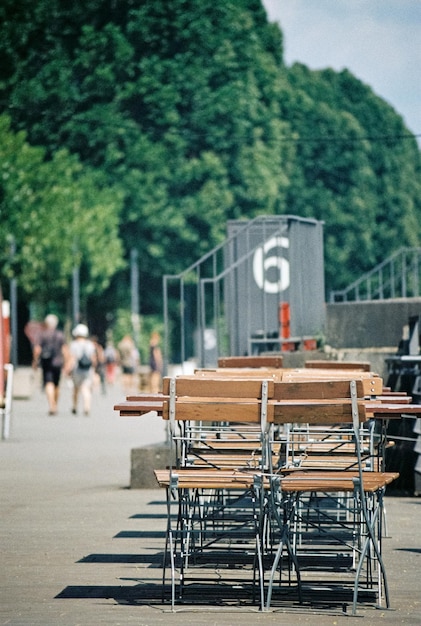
(319, 402)
(201, 407)
(312, 389)
(197, 398)
(321, 417)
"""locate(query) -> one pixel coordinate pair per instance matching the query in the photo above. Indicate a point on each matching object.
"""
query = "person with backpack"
(83, 363)
(50, 351)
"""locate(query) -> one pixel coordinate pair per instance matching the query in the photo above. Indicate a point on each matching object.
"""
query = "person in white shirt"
(83, 362)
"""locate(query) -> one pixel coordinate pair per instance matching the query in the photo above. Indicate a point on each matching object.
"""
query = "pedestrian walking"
(50, 352)
(111, 361)
(129, 362)
(100, 364)
(82, 368)
(155, 363)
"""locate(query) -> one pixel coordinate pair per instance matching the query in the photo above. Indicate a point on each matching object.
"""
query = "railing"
(397, 277)
(199, 293)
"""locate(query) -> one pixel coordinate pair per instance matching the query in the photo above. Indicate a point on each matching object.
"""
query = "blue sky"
(379, 41)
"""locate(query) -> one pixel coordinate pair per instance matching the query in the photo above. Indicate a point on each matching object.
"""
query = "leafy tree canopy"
(55, 215)
(357, 168)
(189, 109)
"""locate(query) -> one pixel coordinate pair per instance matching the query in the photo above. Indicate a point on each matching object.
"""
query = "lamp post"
(76, 286)
(134, 290)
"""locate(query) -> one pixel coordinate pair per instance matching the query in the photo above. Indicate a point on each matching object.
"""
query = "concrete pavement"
(78, 547)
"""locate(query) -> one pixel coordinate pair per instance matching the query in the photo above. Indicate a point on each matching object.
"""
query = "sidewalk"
(80, 548)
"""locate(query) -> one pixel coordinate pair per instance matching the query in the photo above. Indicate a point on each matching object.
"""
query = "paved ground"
(78, 547)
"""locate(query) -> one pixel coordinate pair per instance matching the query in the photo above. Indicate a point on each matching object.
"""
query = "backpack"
(84, 362)
(46, 353)
(48, 348)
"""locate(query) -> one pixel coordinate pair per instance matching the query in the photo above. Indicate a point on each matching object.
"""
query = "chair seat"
(335, 481)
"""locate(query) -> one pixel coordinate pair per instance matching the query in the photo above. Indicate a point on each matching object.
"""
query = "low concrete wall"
(375, 356)
(374, 324)
(144, 461)
(24, 381)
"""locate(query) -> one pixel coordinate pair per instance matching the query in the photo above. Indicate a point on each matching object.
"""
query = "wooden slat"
(268, 373)
(201, 478)
(335, 481)
(323, 481)
(394, 399)
(226, 387)
(372, 384)
(212, 410)
(362, 366)
(146, 396)
(138, 407)
(315, 411)
(234, 444)
(251, 361)
(390, 410)
(325, 389)
(326, 462)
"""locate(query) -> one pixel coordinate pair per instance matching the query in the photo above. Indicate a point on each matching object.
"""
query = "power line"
(350, 139)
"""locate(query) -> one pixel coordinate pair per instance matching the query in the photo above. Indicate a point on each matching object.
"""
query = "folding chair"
(363, 489)
(219, 508)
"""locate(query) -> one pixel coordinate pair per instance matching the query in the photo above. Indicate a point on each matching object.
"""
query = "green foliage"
(174, 101)
(357, 168)
(59, 215)
(189, 109)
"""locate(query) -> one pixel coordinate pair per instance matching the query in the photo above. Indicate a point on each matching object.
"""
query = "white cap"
(80, 331)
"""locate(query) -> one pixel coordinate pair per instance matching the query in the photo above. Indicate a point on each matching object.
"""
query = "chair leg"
(371, 541)
(284, 542)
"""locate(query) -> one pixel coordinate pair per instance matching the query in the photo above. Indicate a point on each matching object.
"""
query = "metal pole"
(134, 282)
(76, 285)
(76, 295)
(166, 324)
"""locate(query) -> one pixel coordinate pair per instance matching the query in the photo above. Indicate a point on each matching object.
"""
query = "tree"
(357, 169)
(188, 107)
(172, 100)
(59, 215)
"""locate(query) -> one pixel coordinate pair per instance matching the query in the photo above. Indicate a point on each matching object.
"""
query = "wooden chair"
(297, 491)
(241, 501)
(218, 504)
(321, 442)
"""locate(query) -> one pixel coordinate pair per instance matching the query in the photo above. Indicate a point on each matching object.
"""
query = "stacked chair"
(332, 515)
(277, 484)
(219, 430)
